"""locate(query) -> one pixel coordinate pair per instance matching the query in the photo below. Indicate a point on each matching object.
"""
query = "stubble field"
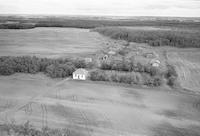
(98, 109)
(187, 63)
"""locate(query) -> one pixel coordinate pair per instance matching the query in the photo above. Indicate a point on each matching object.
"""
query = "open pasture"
(97, 109)
(51, 42)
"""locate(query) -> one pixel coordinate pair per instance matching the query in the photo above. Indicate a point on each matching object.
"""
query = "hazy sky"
(187, 8)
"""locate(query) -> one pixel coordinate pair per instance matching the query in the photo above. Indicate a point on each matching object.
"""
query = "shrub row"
(52, 67)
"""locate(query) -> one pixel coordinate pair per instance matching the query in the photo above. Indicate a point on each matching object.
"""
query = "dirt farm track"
(98, 109)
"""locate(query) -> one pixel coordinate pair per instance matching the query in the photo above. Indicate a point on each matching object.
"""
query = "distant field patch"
(50, 42)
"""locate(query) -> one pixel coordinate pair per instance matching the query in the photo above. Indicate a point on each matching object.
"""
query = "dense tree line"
(127, 77)
(17, 26)
(130, 66)
(136, 73)
(93, 23)
(175, 38)
(52, 67)
(122, 71)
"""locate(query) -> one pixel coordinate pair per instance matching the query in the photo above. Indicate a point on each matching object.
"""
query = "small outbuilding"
(88, 60)
(111, 52)
(150, 55)
(155, 63)
(80, 74)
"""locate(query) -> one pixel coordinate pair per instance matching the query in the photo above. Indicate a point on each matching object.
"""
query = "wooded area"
(176, 38)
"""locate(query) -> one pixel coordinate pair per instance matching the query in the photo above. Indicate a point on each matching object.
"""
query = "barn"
(80, 74)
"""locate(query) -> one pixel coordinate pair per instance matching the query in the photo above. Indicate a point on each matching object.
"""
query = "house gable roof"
(81, 71)
(155, 61)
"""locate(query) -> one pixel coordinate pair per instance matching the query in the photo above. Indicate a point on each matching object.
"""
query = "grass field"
(51, 42)
(97, 109)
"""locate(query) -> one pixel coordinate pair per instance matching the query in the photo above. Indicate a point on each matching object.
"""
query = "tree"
(6, 69)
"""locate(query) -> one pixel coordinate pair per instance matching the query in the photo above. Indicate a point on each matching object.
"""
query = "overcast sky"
(188, 8)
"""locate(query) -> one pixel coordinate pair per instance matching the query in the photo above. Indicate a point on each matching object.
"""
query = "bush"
(171, 76)
(60, 70)
(98, 76)
(6, 69)
(106, 66)
(158, 81)
(172, 81)
(117, 65)
(123, 52)
(79, 63)
(171, 71)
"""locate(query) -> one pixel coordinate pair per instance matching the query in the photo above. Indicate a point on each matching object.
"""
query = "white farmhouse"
(80, 74)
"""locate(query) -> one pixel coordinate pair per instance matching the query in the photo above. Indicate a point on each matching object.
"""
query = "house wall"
(155, 65)
(79, 76)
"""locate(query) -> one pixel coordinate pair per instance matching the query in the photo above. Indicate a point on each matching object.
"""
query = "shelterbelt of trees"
(122, 72)
(55, 68)
(16, 25)
(175, 38)
(130, 72)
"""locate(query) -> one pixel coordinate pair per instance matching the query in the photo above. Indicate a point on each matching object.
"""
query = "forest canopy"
(176, 38)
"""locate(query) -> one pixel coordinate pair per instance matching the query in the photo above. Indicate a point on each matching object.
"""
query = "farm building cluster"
(140, 52)
(135, 52)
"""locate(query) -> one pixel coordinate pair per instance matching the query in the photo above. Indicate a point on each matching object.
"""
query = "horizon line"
(74, 15)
